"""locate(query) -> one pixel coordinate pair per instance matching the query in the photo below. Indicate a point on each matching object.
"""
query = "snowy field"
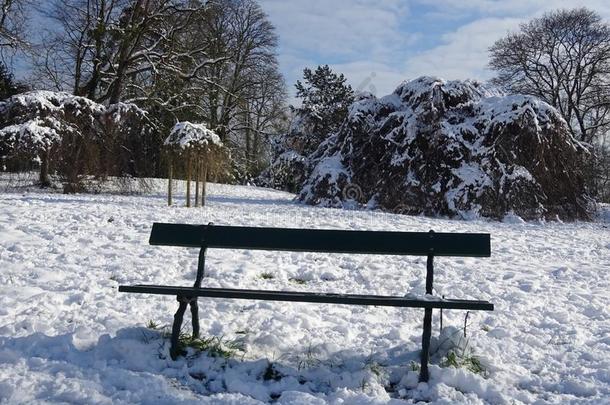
(68, 336)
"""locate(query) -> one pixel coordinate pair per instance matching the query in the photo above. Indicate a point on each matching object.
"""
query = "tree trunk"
(169, 180)
(44, 170)
(248, 150)
(197, 175)
(188, 178)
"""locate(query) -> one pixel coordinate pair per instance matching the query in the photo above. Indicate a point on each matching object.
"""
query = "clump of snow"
(188, 135)
(35, 134)
(48, 101)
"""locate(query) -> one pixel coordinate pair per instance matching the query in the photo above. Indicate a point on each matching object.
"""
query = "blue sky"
(379, 43)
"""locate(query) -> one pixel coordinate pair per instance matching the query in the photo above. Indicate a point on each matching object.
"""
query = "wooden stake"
(188, 179)
(169, 180)
(204, 177)
(197, 176)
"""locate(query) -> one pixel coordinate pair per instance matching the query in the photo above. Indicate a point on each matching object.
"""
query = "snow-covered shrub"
(195, 143)
(288, 169)
(286, 172)
(452, 148)
(73, 136)
(50, 126)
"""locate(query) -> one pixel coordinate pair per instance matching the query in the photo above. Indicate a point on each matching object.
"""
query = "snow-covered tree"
(188, 135)
(325, 98)
(454, 148)
(74, 135)
(181, 60)
(36, 124)
(193, 142)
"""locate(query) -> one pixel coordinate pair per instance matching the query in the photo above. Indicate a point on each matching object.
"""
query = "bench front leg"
(424, 374)
(174, 350)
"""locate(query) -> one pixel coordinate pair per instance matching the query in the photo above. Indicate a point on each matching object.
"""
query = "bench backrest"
(322, 240)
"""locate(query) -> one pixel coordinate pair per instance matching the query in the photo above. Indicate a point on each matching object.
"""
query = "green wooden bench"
(429, 244)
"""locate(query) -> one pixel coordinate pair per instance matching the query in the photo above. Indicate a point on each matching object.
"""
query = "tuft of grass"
(267, 276)
(213, 346)
(376, 367)
(308, 360)
(451, 360)
(467, 361)
(298, 280)
(152, 324)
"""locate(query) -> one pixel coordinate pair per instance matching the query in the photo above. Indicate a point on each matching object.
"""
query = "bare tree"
(70, 54)
(563, 58)
(262, 110)
(13, 25)
(181, 60)
(103, 48)
(240, 30)
(244, 95)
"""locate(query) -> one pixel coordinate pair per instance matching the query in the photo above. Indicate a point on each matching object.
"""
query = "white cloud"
(341, 28)
(373, 77)
(513, 8)
(463, 53)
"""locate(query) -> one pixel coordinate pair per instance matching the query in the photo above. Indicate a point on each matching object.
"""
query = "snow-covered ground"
(68, 336)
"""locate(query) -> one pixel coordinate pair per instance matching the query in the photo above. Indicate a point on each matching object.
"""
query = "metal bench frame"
(427, 244)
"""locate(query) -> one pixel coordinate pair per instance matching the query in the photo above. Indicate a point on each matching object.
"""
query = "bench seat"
(325, 298)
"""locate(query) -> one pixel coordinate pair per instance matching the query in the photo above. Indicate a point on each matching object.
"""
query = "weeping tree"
(198, 147)
(74, 137)
(52, 128)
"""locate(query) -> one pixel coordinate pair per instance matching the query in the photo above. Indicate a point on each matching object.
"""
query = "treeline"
(178, 60)
(214, 62)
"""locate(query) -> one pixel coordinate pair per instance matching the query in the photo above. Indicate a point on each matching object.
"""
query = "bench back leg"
(195, 316)
(424, 375)
(198, 279)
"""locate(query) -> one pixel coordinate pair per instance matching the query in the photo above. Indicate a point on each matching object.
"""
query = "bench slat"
(347, 299)
(322, 240)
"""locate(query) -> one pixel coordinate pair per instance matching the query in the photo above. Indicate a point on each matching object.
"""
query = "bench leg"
(425, 346)
(174, 350)
(195, 317)
(424, 375)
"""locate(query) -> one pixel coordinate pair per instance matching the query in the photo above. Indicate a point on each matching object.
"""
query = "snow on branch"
(190, 135)
(38, 120)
